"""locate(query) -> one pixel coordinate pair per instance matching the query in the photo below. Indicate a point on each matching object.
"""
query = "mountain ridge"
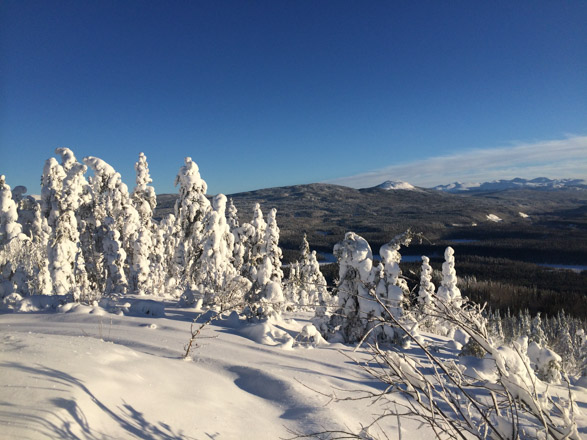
(539, 183)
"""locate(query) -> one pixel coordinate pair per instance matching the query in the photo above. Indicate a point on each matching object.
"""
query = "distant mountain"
(326, 212)
(540, 183)
(395, 184)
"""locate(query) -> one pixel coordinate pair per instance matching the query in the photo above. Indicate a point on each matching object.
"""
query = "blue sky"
(275, 93)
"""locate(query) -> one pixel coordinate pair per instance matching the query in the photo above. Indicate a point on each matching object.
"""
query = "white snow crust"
(494, 218)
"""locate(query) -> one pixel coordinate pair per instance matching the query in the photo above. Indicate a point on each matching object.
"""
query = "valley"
(509, 259)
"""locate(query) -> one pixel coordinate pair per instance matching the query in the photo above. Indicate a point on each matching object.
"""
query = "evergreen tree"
(448, 291)
(143, 195)
(564, 345)
(215, 271)
(318, 290)
(232, 214)
(165, 243)
(66, 261)
(144, 202)
(426, 289)
(190, 209)
(537, 332)
(306, 286)
(51, 186)
(112, 200)
(391, 288)
(266, 296)
(10, 228)
(272, 250)
(12, 241)
(114, 258)
(356, 288)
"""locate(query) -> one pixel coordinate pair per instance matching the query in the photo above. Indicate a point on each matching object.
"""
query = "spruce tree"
(190, 209)
(426, 289)
(448, 291)
(356, 288)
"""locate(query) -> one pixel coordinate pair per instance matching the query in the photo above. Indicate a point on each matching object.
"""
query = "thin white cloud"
(554, 159)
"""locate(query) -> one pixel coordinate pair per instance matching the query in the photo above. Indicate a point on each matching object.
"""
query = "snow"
(494, 218)
(539, 183)
(523, 215)
(389, 185)
(88, 373)
(111, 371)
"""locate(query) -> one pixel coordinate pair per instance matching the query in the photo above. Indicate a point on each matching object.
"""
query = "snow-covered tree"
(391, 288)
(26, 207)
(264, 265)
(426, 289)
(215, 275)
(112, 199)
(448, 291)
(190, 209)
(292, 287)
(537, 333)
(306, 286)
(76, 198)
(10, 228)
(114, 257)
(249, 251)
(272, 250)
(524, 323)
(143, 196)
(232, 216)
(564, 344)
(242, 248)
(51, 186)
(255, 243)
(295, 291)
(356, 288)
(164, 270)
(545, 362)
(111, 196)
(496, 322)
(316, 286)
(144, 202)
(12, 240)
(66, 260)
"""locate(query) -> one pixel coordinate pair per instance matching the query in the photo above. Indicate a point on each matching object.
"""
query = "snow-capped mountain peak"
(395, 184)
(539, 183)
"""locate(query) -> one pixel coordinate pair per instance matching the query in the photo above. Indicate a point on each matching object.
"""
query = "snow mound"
(494, 218)
(310, 336)
(395, 185)
(34, 303)
(267, 333)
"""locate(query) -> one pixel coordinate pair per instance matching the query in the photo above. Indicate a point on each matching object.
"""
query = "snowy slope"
(91, 374)
(86, 373)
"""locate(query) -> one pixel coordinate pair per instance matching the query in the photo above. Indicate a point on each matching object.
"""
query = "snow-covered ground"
(85, 372)
(493, 218)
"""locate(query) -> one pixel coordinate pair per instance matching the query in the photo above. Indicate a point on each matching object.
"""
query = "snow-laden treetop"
(189, 178)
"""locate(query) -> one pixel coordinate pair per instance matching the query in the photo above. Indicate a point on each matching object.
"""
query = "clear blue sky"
(273, 93)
